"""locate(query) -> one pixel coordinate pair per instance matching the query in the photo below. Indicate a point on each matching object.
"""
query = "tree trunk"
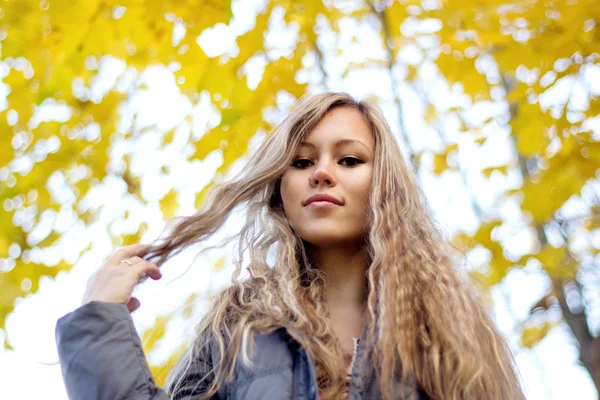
(589, 347)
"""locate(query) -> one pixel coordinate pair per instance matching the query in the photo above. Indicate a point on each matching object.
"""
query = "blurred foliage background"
(516, 80)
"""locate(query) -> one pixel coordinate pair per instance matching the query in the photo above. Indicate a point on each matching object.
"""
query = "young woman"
(351, 293)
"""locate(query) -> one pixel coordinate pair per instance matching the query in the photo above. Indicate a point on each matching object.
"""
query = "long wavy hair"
(425, 320)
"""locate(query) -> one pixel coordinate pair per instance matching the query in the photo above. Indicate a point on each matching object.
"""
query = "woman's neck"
(344, 291)
(346, 276)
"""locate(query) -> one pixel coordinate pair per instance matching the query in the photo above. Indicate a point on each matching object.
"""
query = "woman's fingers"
(131, 261)
(147, 268)
(127, 252)
(133, 304)
(115, 280)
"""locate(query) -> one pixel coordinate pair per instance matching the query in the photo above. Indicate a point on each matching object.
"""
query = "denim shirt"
(101, 357)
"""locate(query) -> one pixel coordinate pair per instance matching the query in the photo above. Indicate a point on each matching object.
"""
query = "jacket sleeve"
(102, 358)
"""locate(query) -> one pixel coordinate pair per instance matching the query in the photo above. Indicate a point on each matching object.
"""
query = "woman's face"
(335, 159)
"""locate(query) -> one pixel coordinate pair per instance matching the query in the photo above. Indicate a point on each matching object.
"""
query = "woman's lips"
(322, 204)
(323, 197)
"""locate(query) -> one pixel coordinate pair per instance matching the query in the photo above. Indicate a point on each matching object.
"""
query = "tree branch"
(391, 60)
(589, 347)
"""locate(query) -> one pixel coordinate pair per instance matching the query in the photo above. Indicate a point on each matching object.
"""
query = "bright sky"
(550, 371)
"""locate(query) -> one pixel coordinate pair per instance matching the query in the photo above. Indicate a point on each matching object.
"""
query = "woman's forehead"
(341, 127)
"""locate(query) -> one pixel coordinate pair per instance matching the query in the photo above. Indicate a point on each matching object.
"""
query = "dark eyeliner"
(355, 160)
(298, 160)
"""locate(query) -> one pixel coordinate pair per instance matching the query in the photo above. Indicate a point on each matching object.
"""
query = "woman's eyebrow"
(339, 143)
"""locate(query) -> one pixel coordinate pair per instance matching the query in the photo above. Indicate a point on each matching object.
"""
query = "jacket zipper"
(356, 385)
(357, 382)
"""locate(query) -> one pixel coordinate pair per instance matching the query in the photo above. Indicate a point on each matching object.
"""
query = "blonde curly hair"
(426, 322)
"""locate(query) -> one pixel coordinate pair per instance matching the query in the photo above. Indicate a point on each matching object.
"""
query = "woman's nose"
(322, 176)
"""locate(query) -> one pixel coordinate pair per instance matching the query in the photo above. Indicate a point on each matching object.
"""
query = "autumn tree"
(538, 59)
(529, 62)
(558, 155)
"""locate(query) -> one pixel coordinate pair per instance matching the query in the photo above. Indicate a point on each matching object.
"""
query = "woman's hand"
(115, 280)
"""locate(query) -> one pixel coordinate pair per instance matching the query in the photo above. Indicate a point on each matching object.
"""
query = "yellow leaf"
(518, 93)
(532, 335)
(564, 176)
(151, 336)
(169, 204)
(451, 148)
(530, 130)
(439, 164)
(252, 41)
(541, 211)
(136, 237)
(594, 107)
(189, 305)
(499, 265)
(49, 240)
(512, 192)
(557, 263)
(480, 140)
(503, 169)
(4, 245)
(20, 98)
(220, 264)
(456, 68)
(463, 242)
(551, 255)
(476, 85)
(161, 372)
(201, 196)
(6, 149)
(169, 136)
(484, 233)
(440, 161)
(593, 222)
(412, 73)
(430, 113)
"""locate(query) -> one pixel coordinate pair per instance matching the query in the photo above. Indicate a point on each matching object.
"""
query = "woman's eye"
(301, 163)
(346, 161)
(351, 161)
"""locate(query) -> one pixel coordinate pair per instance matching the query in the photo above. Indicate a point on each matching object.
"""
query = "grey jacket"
(101, 357)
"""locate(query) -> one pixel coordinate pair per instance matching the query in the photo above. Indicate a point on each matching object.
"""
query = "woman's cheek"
(290, 197)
